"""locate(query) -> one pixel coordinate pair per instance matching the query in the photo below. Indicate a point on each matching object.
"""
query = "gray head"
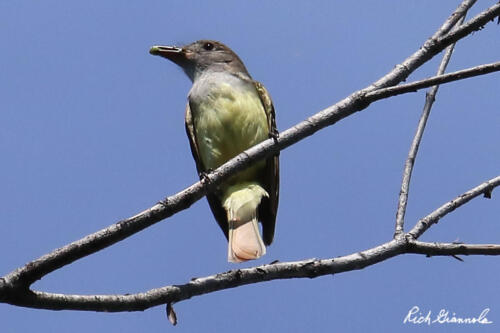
(201, 56)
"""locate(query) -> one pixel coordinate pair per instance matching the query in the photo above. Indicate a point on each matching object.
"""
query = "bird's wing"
(214, 202)
(269, 206)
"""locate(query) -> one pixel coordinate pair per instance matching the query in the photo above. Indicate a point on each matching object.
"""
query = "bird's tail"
(241, 204)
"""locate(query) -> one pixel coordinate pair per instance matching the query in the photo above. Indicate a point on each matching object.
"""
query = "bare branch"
(311, 268)
(137, 302)
(22, 296)
(434, 80)
(435, 43)
(412, 154)
(425, 223)
(458, 14)
(452, 249)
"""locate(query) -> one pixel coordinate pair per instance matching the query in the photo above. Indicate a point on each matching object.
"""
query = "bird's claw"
(204, 176)
(274, 134)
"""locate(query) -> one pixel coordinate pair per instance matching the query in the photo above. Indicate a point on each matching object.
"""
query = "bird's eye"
(208, 46)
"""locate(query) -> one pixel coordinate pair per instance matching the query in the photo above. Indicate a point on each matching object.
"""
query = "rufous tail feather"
(241, 204)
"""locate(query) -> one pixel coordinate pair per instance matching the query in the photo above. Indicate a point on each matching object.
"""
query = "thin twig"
(442, 34)
(458, 14)
(451, 249)
(412, 154)
(425, 223)
(433, 80)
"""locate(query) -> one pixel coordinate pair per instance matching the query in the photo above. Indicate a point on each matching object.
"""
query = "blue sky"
(91, 131)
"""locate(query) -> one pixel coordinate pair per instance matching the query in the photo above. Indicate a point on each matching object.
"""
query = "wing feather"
(213, 200)
(269, 207)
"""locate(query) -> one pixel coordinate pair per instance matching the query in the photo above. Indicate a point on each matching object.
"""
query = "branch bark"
(434, 217)
(310, 268)
(431, 81)
(234, 278)
(452, 249)
(412, 154)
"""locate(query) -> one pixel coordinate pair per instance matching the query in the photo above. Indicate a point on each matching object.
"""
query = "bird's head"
(201, 56)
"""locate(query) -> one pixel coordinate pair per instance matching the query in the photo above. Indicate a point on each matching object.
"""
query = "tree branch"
(234, 278)
(452, 249)
(412, 154)
(310, 268)
(458, 14)
(431, 81)
(426, 222)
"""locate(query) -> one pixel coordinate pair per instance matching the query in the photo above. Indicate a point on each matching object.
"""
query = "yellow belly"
(227, 122)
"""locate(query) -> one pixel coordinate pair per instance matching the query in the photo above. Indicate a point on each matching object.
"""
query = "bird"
(228, 112)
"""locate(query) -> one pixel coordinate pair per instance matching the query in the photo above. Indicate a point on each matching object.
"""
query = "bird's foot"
(274, 134)
(204, 176)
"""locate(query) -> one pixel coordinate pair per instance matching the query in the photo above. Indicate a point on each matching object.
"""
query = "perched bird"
(228, 112)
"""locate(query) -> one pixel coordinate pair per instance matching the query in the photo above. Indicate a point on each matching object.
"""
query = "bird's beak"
(172, 53)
